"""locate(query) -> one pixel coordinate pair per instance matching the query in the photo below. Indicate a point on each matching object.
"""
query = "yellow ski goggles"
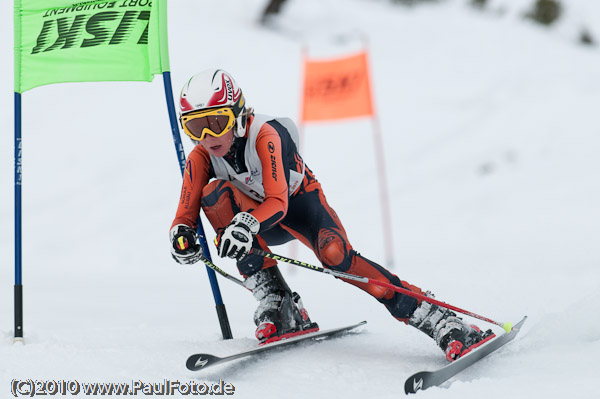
(215, 121)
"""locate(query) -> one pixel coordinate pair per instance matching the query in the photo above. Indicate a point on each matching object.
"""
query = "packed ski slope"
(491, 135)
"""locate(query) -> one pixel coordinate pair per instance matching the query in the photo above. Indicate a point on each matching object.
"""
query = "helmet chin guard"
(240, 124)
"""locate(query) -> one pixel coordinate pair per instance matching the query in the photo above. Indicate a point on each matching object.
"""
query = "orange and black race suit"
(260, 175)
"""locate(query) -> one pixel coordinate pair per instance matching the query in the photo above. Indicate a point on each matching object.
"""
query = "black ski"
(201, 361)
(427, 379)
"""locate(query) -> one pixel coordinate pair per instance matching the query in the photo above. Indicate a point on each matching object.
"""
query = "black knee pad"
(250, 264)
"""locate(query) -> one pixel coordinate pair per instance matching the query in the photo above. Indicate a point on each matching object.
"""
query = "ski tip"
(199, 361)
(416, 382)
(507, 326)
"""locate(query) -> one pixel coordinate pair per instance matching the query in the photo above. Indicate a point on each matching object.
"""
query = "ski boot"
(451, 333)
(280, 313)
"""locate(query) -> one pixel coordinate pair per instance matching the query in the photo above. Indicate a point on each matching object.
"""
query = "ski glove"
(184, 245)
(235, 241)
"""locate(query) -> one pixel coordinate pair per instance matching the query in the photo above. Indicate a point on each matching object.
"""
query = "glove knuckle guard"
(233, 251)
(224, 248)
(241, 254)
(239, 236)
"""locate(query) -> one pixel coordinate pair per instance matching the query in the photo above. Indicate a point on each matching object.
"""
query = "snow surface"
(491, 131)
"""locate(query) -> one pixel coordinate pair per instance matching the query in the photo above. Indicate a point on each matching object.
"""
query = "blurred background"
(489, 119)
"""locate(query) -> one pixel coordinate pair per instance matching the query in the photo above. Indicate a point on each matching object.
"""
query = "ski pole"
(506, 326)
(223, 273)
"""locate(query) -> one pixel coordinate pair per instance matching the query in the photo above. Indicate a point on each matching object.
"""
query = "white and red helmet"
(214, 88)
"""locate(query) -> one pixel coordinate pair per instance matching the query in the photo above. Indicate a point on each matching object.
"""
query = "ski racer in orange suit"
(247, 176)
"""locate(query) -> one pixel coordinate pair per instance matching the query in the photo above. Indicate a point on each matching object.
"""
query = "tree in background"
(273, 7)
(545, 12)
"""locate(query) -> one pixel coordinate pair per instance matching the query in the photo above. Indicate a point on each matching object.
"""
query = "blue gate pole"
(18, 223)
(212, 277)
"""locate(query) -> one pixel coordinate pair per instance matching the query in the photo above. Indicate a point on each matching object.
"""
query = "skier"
(245, 172)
